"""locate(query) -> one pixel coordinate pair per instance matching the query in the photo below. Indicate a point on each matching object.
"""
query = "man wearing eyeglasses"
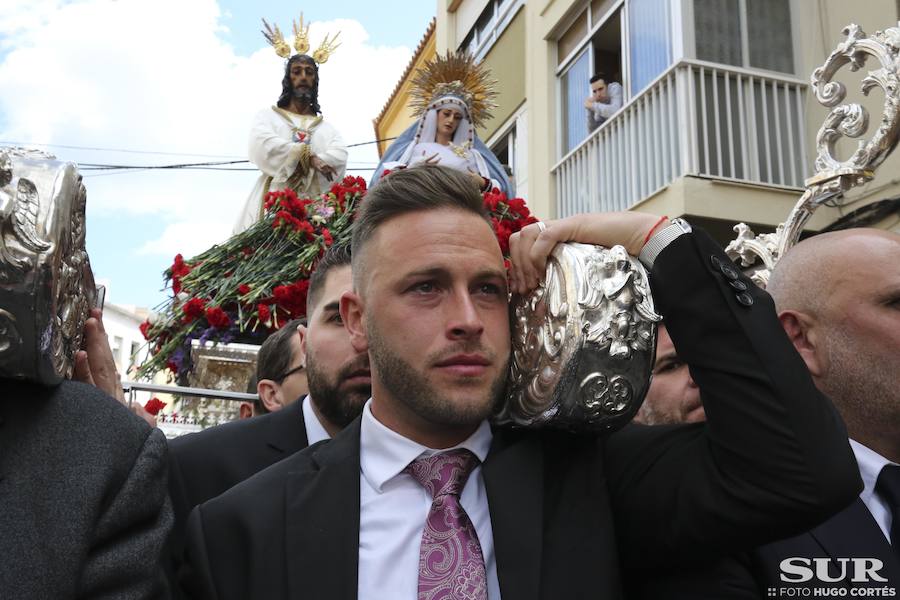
(205, 464)
(280, 372)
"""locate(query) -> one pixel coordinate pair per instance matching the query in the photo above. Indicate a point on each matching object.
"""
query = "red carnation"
(292, 297)
(217, 317)
(194, 308)
(179, 269)
(243, 289)
(145, 329)
(326, 237)
(263, 312)
(154, 405)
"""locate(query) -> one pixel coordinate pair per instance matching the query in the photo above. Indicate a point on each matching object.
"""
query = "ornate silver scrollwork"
(583, 342)
(46, 283)
(834, 177)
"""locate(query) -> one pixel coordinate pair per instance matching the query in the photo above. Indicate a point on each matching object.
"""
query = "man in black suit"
(205, 464)
(82, 488)
(540, 511)
(838, 297)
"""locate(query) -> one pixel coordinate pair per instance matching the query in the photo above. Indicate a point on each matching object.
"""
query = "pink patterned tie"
(451, 565)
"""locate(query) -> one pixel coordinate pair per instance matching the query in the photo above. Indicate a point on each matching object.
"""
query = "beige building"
(718, 122)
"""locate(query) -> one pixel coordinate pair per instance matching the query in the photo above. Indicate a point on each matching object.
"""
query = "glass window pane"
(576, 88)
(769, 33)
(650, 43)
(717, 30)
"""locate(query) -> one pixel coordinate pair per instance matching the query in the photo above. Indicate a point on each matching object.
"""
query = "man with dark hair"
(291, 143)
(605, 99)
(673, 396)
(205, 464)
(281, 377)
(420, 497)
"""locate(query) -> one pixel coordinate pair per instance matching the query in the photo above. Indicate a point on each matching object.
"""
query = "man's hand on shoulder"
(95, 364)
(530, 247)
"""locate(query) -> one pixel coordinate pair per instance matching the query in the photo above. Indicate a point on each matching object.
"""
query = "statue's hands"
(433, 159)
(530, 247)
(323, 167)
(94, 364)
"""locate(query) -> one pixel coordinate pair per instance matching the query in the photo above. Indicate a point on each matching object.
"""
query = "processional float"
(583, 342)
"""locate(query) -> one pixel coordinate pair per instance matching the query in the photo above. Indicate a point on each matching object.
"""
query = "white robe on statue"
(276, 143)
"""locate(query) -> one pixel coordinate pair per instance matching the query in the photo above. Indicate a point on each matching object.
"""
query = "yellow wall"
(507, 67)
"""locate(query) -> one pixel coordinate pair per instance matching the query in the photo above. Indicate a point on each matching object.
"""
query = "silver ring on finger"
(541, 226)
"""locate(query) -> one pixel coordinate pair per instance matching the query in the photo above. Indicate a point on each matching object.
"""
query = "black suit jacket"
(772, 460)
(83, 505)
(202, 465)
(851, 533)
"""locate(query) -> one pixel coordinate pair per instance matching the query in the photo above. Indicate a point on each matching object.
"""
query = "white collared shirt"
(314, 430)
(394, 506)
(870, 465)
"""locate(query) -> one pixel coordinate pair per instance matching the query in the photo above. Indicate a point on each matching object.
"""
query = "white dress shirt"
(394, 506)
(314, 430)
(870, 465)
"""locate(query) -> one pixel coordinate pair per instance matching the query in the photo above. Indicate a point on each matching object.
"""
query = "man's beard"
(417, 393)
(304, 96)
(861, 381)
(339, 407)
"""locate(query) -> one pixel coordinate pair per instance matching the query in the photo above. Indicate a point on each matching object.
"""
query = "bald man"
(838, 298)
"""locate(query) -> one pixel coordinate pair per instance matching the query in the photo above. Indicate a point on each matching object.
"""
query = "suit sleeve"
(195, 580)
(773, 457)
(124, 560)
(729, 577)
(181, 508)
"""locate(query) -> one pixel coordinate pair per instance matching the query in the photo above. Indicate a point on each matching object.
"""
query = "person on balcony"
(451, 95)
(605, 100)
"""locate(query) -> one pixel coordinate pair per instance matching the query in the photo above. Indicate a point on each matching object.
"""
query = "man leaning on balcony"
(604, 101)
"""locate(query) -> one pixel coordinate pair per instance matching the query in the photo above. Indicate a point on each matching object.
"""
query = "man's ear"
(353, 316)
(301, 331)
(270, 394)
(246, 410)
(805, 336)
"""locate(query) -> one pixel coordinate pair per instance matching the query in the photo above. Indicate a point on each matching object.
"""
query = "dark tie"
(451, 565)
(888, 485)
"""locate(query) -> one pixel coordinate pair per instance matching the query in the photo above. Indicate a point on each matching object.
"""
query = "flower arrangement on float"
(257, 281)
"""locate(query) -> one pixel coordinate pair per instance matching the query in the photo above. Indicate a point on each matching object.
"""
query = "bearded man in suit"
(205, 464)
(420, 497)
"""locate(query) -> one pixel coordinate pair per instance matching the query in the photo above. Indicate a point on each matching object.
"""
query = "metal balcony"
(696, 118)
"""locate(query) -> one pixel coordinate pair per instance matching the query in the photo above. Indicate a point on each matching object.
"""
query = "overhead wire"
(158, 152)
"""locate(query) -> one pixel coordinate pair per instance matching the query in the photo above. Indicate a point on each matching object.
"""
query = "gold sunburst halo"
(455, 74)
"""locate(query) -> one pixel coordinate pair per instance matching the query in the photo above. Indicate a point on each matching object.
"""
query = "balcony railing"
(697, 118)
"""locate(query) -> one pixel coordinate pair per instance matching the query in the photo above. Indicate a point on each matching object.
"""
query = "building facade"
(718, 122)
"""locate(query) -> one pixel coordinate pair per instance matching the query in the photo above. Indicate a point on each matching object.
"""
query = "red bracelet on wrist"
(652, 229)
